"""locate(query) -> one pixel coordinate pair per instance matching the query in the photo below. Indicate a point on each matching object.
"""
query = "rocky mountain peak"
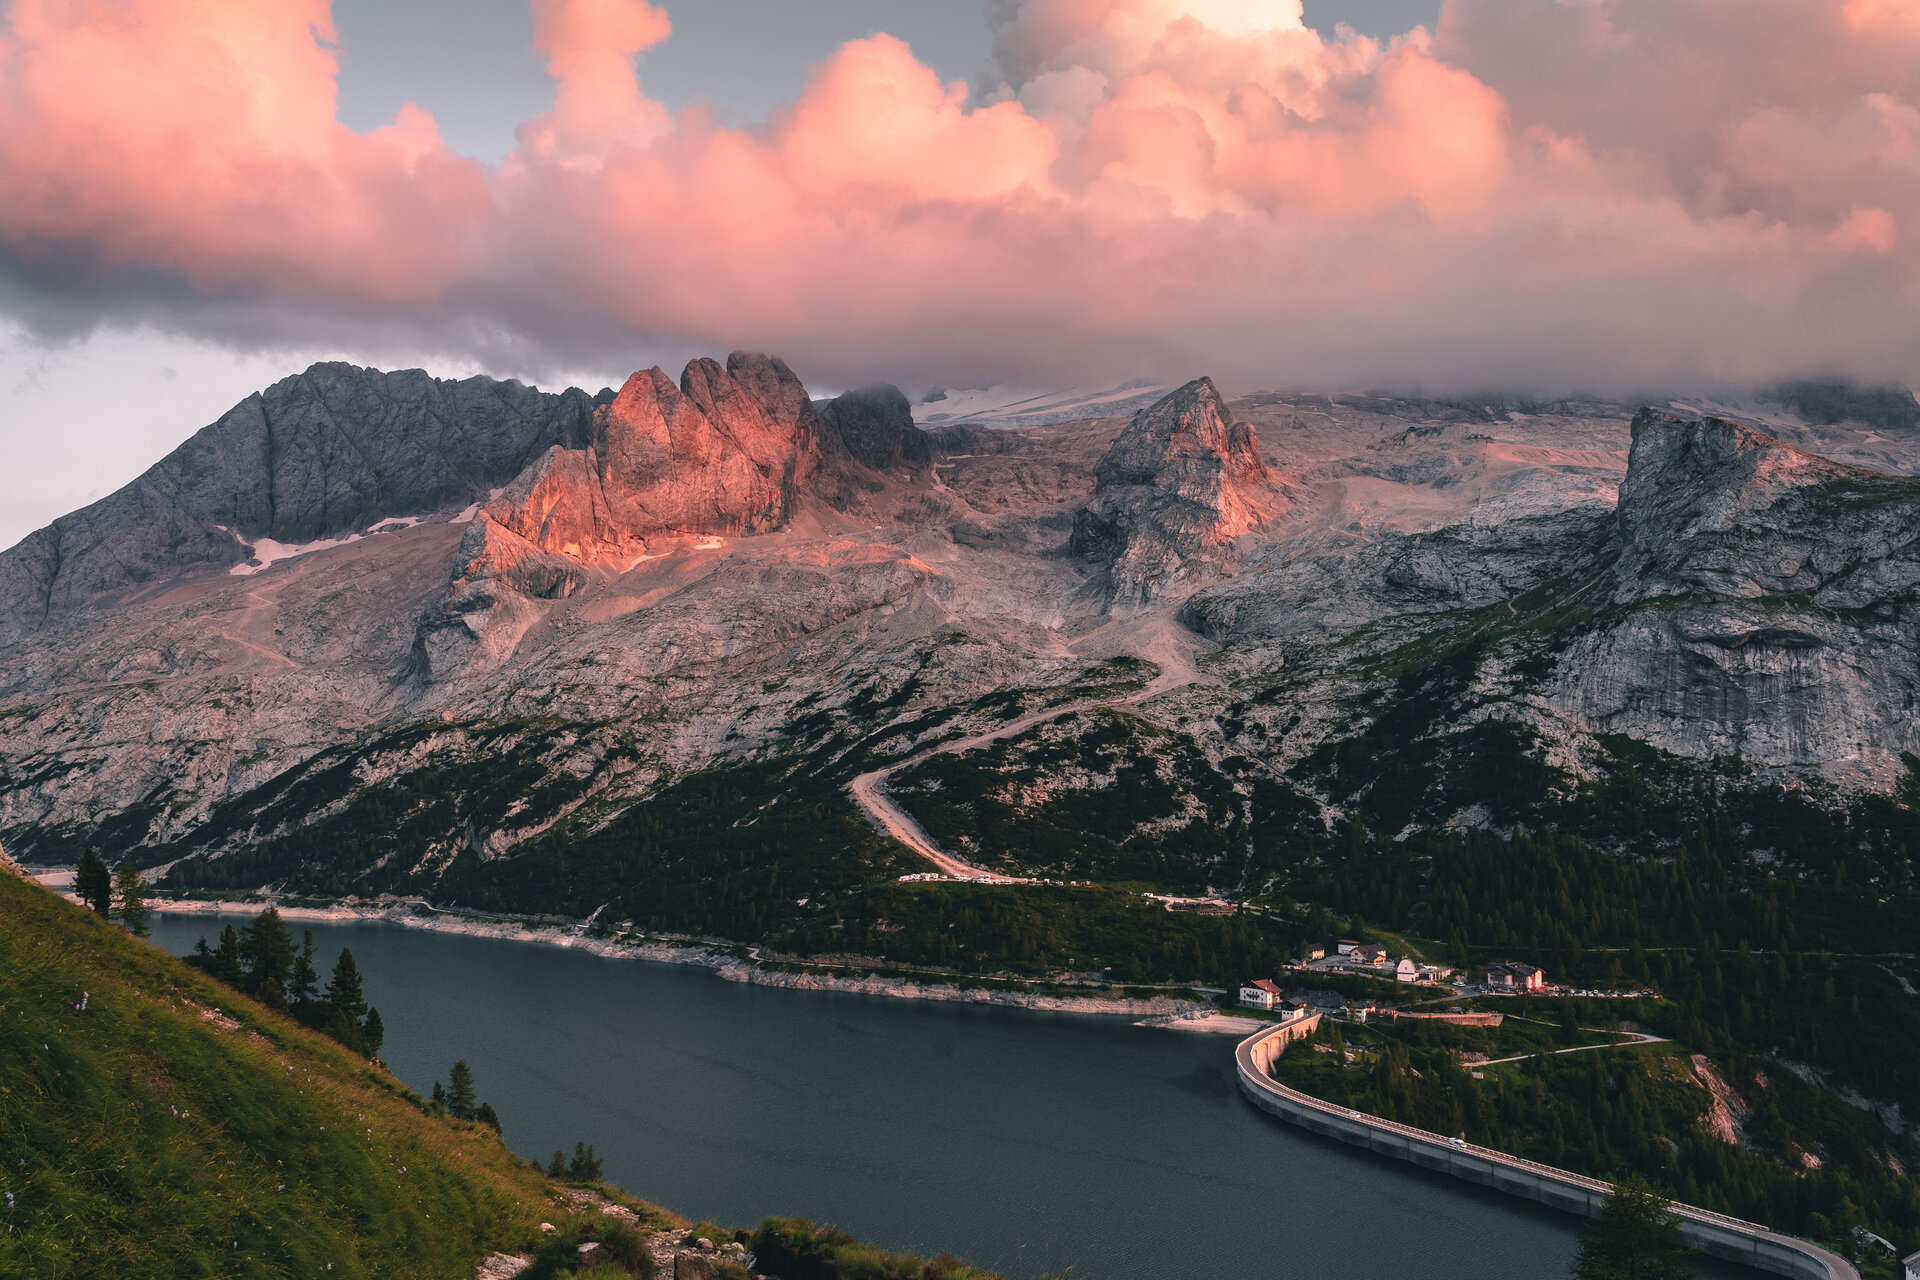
(1187, 430)
(874, 426)
(1182, 477)
(724, 451)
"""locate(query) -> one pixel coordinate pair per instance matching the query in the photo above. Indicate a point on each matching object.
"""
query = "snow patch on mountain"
(1005, 406)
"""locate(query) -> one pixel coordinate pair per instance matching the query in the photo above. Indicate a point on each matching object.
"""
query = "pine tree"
(438, 1103)
(558, 1168)
(226, 957)
(486, 1115)
(373, 1032)
(303, 981)
(267, 952)
(460, 1099)
(94, 883)
(1634, 1238)
(130, 898)
(344, 994)
(585, 1166)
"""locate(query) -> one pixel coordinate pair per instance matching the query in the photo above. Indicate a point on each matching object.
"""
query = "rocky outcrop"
(723, 452)
(1711, 507)
(874, 427)
(323, 453)
(1183, 477)
(1764, 604)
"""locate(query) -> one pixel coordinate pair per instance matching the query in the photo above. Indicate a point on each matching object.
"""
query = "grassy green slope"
(176, 1129)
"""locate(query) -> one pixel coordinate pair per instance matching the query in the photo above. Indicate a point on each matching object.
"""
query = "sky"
(1613, 196)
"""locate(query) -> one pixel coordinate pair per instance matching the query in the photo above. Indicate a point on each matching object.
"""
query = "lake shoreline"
(724, 960)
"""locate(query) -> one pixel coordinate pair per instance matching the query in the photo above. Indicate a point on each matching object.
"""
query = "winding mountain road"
(1159, 642)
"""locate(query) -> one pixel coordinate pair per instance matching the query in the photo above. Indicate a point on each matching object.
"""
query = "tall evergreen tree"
(94, 883)
(373, 1032)
(226, 957)
(130, 898)
(557, 1168)
(1634, 1238)
(344, 994)
(267, 952)
(303, 981)
(460, 1099)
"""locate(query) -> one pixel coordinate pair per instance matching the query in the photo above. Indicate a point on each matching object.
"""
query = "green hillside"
(175, 1128)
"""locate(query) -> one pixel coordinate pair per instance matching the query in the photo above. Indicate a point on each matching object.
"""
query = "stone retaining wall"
(1712, 1233)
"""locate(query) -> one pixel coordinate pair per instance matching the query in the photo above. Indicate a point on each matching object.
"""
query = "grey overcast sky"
(80, 420)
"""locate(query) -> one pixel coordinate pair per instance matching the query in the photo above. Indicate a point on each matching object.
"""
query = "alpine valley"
(1626, 690)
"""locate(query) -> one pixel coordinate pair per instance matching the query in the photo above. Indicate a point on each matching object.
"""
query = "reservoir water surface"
(1021, 1141)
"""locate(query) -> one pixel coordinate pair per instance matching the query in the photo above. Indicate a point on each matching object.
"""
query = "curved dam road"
(1715, 1234)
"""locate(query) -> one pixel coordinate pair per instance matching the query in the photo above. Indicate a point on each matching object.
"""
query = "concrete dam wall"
(1714, 1234)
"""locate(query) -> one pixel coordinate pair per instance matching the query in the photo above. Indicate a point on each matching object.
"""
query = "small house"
(1346, 946)
(1314, 951)
(1910, 1267)
(1370, 953)
(1406, 971)
(1516, 977)
(1261, 993)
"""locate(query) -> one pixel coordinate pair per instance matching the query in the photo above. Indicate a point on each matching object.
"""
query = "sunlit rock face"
(723, 452)
(1763, 603)
(1183, 477)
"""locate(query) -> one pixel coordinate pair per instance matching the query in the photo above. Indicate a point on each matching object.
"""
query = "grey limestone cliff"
(1764, 603)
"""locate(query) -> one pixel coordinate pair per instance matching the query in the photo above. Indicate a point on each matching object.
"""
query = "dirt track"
(1158, 640)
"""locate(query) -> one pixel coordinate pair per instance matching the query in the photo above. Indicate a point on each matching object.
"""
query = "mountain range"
(551, 610)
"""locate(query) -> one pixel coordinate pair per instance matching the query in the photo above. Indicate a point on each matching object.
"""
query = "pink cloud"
(1609, 194)
(589, 46)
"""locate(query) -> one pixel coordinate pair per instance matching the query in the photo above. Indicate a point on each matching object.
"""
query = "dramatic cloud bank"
(1608, 194)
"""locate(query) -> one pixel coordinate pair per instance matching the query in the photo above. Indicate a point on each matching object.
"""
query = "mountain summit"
(1183, 477)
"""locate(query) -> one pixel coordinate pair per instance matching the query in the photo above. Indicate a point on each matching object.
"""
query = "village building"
(1346, 946)
(1911, 1267)
(1516, 977)
(1370, 953)
(1406, 971)
(1314, 951)
(1261, 993)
